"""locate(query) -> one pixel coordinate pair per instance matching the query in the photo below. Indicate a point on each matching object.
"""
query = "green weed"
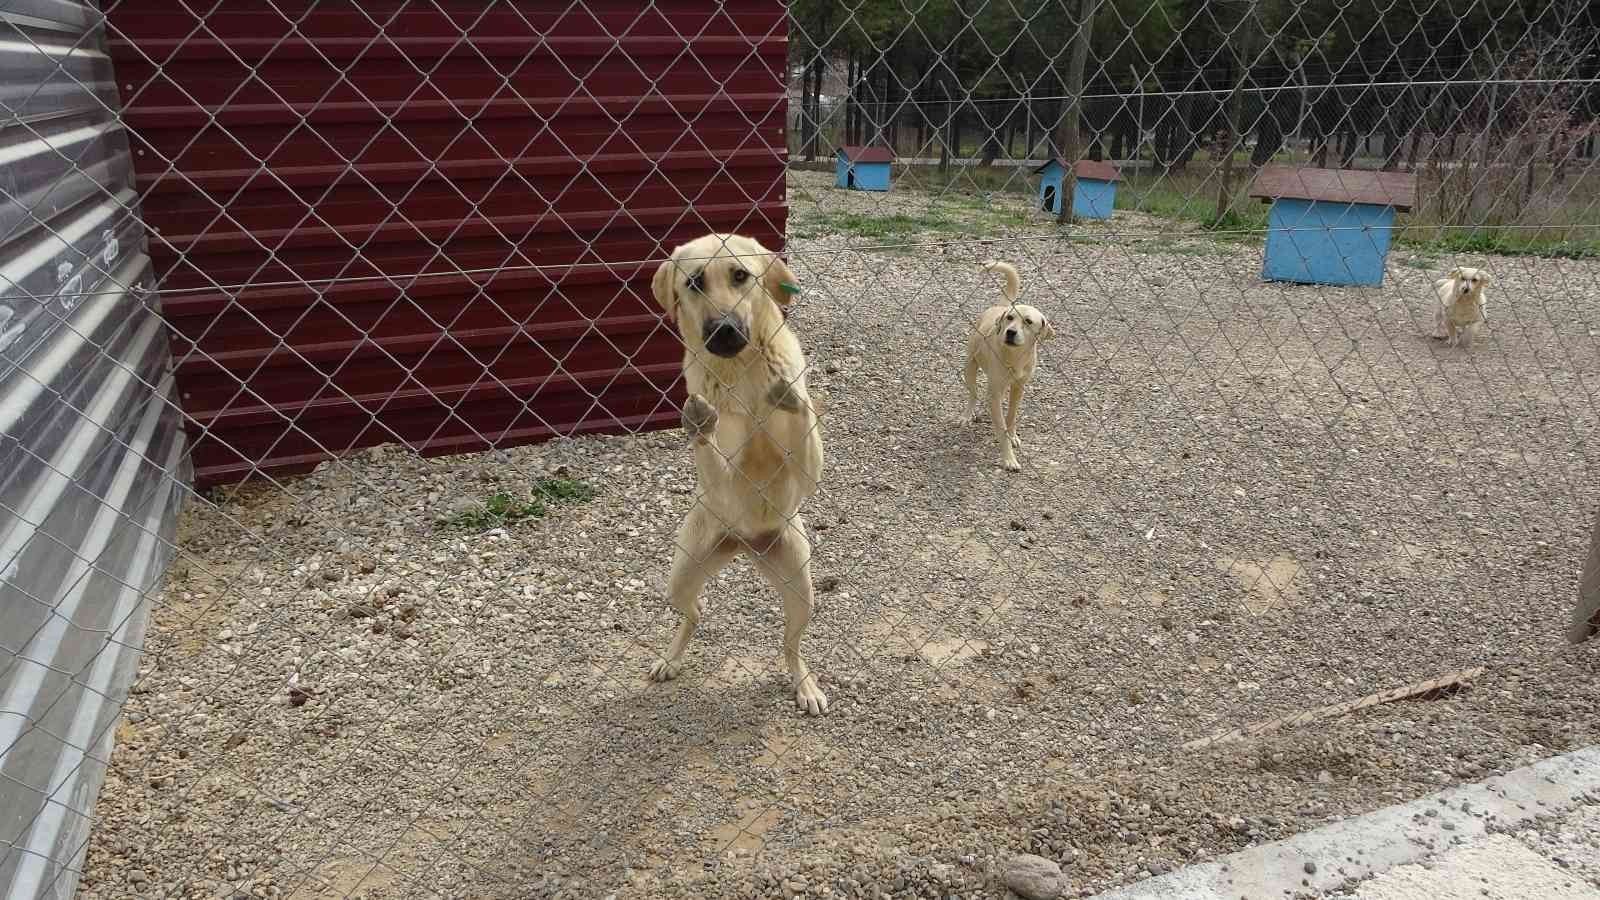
(501, 508)
(1508, 242)
(901, 225)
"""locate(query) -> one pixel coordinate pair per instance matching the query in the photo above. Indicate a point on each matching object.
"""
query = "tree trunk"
(1269, 132)
(1028, 151)
(1188, 132)
(956, 112)
(944, 132)
(886, 114)
(1485, 150)
(1420, 120)
(924, 120)
(1391, 147)
(858, 124)
(989, 133)
(815, 120)
(1533, 157)
(847, 134)
(804, 148)
(1071, 140)
(1225, 183)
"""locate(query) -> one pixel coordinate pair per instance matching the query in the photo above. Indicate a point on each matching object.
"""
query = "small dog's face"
(1469, 281)
(721, 289)
(1022, 325)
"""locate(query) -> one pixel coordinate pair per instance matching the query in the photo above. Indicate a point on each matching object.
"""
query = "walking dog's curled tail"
(1013, 280)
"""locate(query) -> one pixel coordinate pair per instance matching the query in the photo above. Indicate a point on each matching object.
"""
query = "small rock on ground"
(1033, 877)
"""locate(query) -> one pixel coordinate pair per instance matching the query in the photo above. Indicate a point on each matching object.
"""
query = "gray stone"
(1033, 877)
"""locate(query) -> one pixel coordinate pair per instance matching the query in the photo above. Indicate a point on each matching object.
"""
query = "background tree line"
(1165, 79)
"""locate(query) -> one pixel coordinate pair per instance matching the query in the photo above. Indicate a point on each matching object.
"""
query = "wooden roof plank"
(1396, 189)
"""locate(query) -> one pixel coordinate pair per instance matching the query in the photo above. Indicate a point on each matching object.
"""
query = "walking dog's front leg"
(1011, 414)
(1002, 434)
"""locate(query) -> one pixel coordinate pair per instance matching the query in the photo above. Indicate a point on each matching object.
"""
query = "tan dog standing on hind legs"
(1005, 345)
(757, 444)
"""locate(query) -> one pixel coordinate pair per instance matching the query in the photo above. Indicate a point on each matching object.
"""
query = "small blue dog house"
(1330, 226)
(1095, 194)
(862, 168)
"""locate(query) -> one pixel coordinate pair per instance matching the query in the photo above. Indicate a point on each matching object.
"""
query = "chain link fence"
(345, 366)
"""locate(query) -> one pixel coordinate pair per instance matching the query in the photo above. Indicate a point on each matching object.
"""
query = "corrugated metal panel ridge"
(92, 453)
(587, 139)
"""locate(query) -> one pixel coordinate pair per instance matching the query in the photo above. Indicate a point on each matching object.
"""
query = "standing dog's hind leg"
(786, 563)
(699, 553)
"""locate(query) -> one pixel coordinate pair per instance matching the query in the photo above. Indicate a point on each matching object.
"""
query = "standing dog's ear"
(779, 281)
(1485, 277)
(1048, 331)
(1453, 273)
(665, 290)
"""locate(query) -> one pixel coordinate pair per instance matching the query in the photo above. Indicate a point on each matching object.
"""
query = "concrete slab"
(1496, 868)
(1354, 850)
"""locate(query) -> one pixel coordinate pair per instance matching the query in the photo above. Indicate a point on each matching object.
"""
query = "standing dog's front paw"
(1010, 464)
(1016, 442)
(785, 396)
(699, 418)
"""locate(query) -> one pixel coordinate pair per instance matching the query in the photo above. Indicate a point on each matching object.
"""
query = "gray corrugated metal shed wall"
(92, 461)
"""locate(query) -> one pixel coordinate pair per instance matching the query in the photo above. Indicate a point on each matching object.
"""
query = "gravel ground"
(1238, 500)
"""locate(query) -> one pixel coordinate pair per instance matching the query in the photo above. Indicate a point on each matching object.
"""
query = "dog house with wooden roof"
(862, 168)
(1330, 226)
(1096, 192)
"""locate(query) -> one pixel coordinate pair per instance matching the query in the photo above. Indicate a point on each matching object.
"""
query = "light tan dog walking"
(1004, 345)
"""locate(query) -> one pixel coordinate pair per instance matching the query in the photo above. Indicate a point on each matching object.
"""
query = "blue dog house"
(1094, 196)
(862, 168)
(1330, 226)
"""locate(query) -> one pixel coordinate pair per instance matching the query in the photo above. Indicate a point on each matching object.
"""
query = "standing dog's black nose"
(725, 336)
(1011, 335)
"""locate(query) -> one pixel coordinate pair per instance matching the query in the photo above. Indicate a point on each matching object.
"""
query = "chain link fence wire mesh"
(343, 475)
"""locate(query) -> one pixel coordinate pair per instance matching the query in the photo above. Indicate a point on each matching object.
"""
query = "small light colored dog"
(757, 444)
(1005, 345)
(1462, 294)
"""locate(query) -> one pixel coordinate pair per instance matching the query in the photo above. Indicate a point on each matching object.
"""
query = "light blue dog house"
(1094, 196)
(1330, 226)
(862, 168)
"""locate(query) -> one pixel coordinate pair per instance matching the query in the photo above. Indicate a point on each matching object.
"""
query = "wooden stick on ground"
(1586, 615)
(1443, 682)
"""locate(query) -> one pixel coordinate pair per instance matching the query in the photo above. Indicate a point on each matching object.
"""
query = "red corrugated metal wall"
(321, 155)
